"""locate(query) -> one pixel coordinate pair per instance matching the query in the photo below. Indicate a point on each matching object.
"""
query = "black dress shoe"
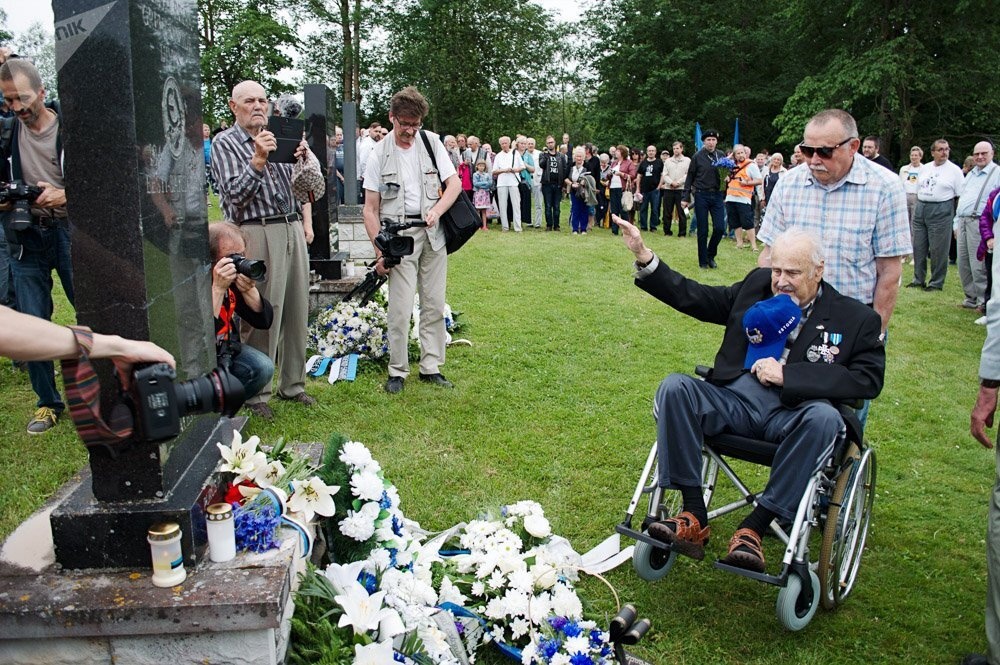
(932, 288)
(667, 232)
(703, 266)
(394, 385)
(712, 263)
(914, 285)
(437, 379)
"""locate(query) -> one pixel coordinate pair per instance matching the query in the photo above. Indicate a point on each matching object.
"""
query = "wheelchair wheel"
(794, 608)
(846, 527)
(652, 563)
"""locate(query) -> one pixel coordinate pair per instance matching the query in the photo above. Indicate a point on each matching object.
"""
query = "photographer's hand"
(223, 275)
(248, 289)
(51, 196)
(302, 150)
(380, 268)
(263, 145)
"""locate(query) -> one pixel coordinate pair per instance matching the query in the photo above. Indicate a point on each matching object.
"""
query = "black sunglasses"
(824, 152)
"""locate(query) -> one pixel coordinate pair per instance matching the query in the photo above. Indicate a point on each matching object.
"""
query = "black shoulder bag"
(462, 220)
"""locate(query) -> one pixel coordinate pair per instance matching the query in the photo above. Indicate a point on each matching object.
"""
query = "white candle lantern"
(221, 532)
(168, 560)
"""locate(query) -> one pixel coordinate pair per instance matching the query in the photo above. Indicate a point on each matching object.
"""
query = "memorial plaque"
(129, 83)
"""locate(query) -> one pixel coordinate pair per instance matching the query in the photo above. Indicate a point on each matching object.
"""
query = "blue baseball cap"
(767, 325)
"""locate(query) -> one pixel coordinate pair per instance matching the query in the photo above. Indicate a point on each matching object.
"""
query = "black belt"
(272, 219)
(414, 216)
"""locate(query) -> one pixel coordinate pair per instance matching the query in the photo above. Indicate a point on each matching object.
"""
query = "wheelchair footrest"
(780, 580)
(646, 538)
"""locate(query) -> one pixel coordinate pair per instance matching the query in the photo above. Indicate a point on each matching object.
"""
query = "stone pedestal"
(353, 237)
(234, 612)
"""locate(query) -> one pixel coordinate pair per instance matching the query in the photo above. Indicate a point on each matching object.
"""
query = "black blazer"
(856, 372)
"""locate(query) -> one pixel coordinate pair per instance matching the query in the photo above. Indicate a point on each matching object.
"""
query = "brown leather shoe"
(302, 398)
(261, 410)
(684, 534)
(742, 558)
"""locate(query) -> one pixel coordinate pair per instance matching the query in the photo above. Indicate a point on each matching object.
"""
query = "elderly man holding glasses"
(856, 206)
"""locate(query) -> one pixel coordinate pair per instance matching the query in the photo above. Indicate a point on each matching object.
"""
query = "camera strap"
(83, 392)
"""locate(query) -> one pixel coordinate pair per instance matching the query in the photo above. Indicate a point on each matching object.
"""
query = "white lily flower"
(269, 474)
(343, 576)
(377, 653)
(362, 612)
(241, 457)
(312, 496)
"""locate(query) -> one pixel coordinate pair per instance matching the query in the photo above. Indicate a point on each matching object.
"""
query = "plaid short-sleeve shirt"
(859, 219)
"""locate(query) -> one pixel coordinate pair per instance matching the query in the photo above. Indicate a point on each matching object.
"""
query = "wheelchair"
(837, 504)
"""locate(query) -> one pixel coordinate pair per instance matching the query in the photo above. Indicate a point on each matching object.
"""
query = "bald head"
(249, 106)
(982, 154)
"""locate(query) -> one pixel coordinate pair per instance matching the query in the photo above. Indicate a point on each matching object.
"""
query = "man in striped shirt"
(257, 196)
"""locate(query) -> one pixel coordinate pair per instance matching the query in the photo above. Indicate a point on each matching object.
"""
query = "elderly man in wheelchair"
(794, 354)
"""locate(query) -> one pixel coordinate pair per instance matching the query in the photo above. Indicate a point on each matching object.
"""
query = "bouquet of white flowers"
(348, 327)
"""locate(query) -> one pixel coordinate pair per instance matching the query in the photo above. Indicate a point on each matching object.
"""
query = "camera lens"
(255, 270)
(217, 391)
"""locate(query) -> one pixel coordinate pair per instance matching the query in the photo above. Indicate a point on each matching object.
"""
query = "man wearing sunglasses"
(857, 207)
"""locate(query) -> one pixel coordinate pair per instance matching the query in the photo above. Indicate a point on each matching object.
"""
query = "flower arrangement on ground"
(348, 327)
(397, 593)
(268, 486)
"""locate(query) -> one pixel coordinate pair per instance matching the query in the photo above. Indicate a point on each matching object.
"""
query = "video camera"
(159, 402)
(392, 245)
(22, 196)
(252, 268)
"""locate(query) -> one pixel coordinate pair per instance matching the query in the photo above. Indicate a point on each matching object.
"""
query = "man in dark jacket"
(235, 297)
(554, 170)
(792, 348)
(704, 185)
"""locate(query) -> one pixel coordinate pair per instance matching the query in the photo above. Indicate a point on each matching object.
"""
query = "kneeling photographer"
(235, 297)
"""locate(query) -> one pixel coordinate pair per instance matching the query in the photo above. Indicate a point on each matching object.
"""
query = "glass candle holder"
(165, 548)
(221, 532)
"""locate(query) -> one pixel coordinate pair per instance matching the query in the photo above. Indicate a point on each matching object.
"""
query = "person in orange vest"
(234, 298)
(739, 197)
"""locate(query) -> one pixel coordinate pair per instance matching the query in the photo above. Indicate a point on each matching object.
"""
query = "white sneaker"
(981, 321)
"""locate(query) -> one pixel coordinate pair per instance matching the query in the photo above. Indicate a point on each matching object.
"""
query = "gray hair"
(845, 119)
(796, 235)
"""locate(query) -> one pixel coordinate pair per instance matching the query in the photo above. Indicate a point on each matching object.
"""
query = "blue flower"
(385, 503)
(581, 659)
(549, 648)
(558, 622)
(571, 629)
(397, 526)
(256, 527)
(368, 581)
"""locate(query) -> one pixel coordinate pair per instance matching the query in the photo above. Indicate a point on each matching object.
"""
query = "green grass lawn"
(553, 403)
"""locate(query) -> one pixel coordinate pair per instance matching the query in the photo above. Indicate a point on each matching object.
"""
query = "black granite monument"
(129, 84)
(320, 114)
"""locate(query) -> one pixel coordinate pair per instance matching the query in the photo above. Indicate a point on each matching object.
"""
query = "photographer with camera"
(34, 214)
(235, 298)
(256, 195)
(404, 186)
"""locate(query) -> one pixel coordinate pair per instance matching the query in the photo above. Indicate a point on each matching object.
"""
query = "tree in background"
(241, 40)
(485, 66)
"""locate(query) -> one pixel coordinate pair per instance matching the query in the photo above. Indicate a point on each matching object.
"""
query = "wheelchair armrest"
(704, 371)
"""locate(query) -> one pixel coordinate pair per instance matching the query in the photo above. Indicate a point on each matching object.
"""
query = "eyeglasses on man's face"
(824, 152)
(409, 124)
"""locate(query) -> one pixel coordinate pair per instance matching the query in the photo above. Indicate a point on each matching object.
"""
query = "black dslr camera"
(159, 402)
(22, 196)
(255, 270)
(392, 245)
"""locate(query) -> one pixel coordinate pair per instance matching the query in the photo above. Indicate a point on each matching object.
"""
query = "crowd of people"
(831, 231)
